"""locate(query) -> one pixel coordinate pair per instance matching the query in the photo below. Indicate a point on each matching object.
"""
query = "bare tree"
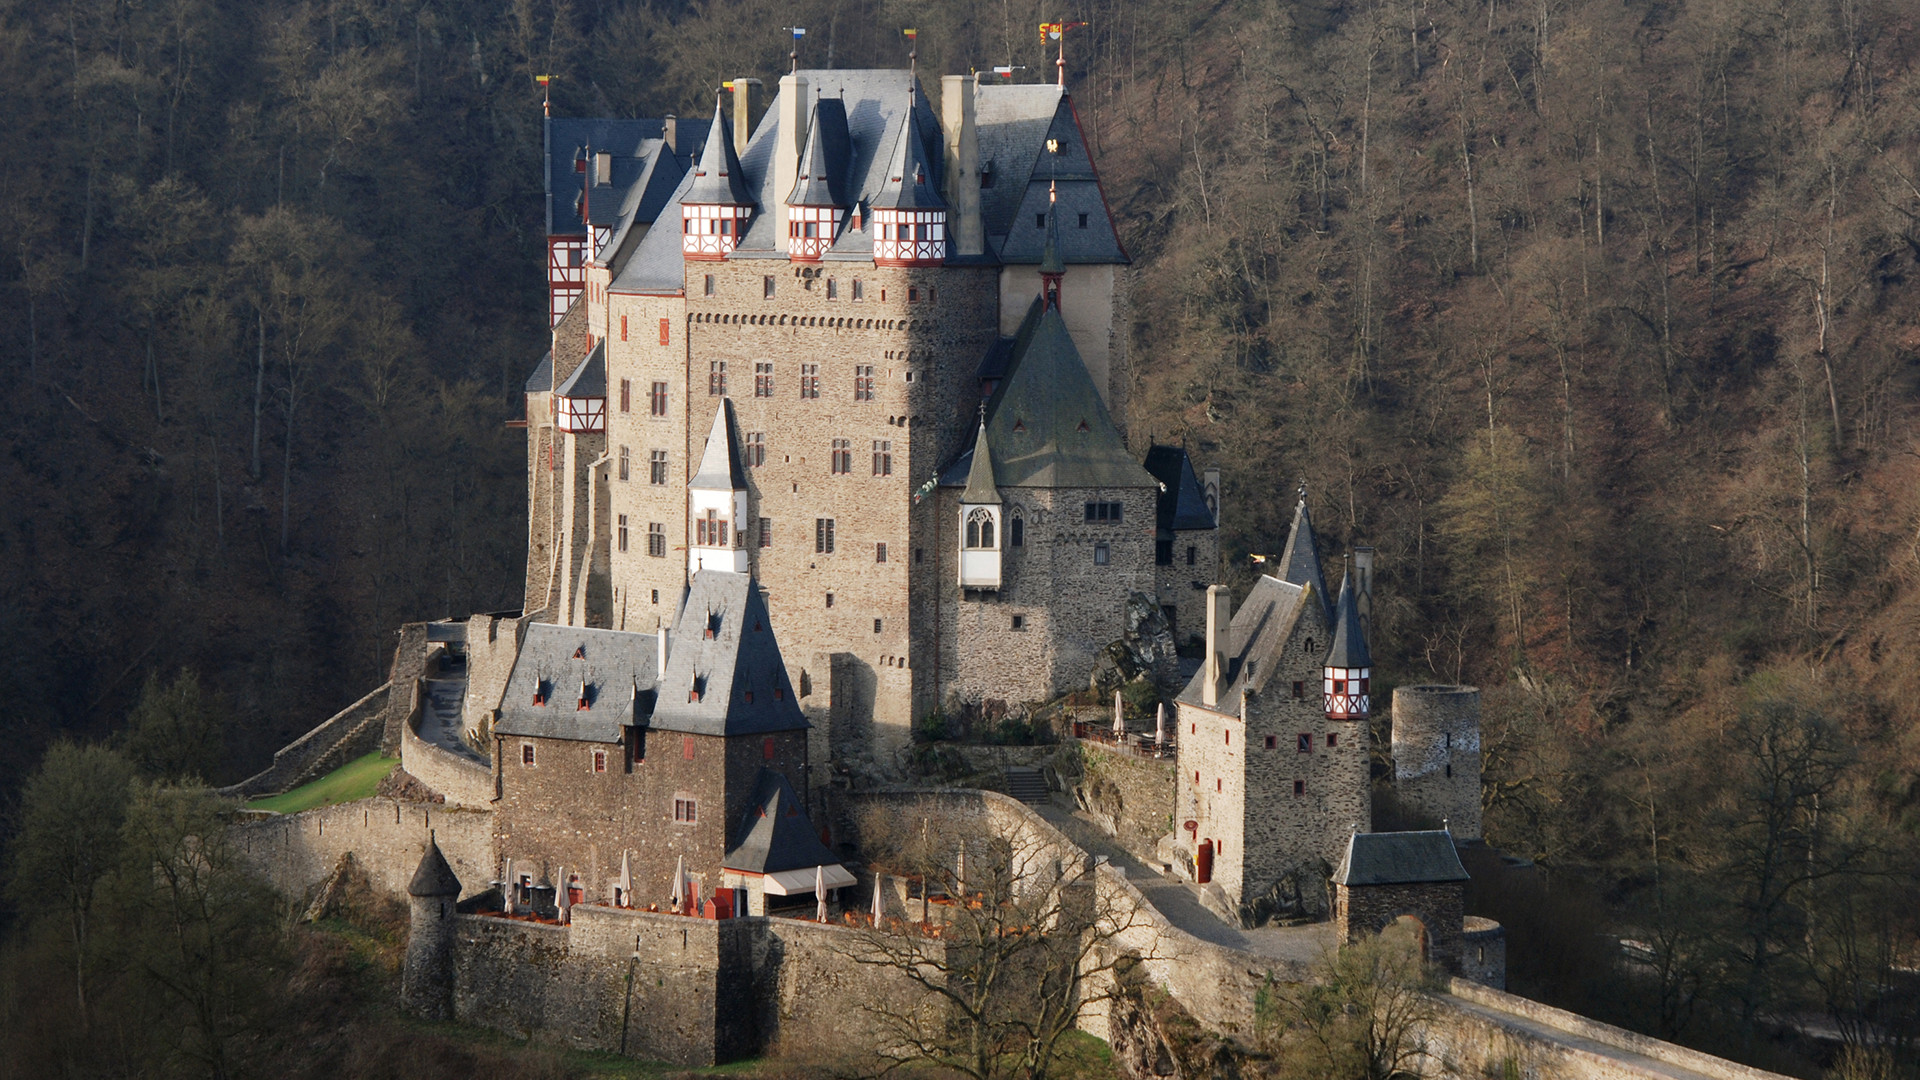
(1362, 1015)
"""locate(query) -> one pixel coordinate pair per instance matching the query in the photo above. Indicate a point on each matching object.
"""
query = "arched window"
(980, 529)
(1017, 531)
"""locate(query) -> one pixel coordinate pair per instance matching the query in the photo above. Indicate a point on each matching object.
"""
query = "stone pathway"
(441, 725)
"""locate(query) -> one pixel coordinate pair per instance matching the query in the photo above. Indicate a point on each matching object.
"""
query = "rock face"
(1145, 649)
(1153, 1038)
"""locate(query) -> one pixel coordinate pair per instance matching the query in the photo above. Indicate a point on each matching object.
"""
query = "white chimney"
(794, 115)
(603, 167)
(1219, 619)
(963, 163)
(670, 133)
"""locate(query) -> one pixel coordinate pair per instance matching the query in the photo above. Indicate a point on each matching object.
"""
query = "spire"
(981, 487)
(434, 877)
(815, 186)
(1300, 563)
(909, 184)
(720, 463)
(717, 179)
(1052, 268)
(1349, 638)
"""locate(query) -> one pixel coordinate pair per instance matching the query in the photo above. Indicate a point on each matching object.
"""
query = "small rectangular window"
(766, 287)
(666, 331)
(1103, 512)
(879, 553)
(859, 289)
(1017, 532)
(657, 467)
(766, 532)
(686, 747)
(658, 404)
(809, 380)
(626, 463)
(913, 294)
(756, 449)
(823, 536)
(1192, 552)
(1083, 221)
(707, 286)
(762, 379)
(626, 385)
(526, 753)
(876, 626)
(1273, 742)
(883, 457)
(766, 748)
(1333, 740)
(684, 811)
(1219, 784)
(1305, 743)
(656, 546)
(1299, 690)
(842, 457)
(863, 382)
(599, 761)
(1299, 787)
(716, 378)
(1101, 555)
(621, 537)
(829, 599)
(833, 289)
(1040, 221)
(1019, 622)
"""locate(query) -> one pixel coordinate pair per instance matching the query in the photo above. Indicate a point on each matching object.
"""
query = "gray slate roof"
(910, 182)
(1046, 422)
(1300, 562)
(823, 163)
(722, 646)
(981, 487)
(589, 380)
(433, 877)
(1349, 649)
(1257, 638)
(776, 834)
(720, 468)
(616, 666)
(541, 381)
(1400, 858)
(641, 200)
(565, 137)
(1183, 503)
(718, 178)
(1014, 125)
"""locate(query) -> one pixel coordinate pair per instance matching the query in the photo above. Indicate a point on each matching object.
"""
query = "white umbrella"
(679, 881)
(879, 900)
(1160, 725)
(1119, 721)
(562, 896)
(506, 888)
(820, 890)
(960, 870)
(625, 899)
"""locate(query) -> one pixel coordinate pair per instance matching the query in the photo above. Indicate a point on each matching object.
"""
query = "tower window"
(1219, 784)
(656, 592)
(766, 748)
(707, 286)
(621, 538)
(809, 380)
(766, 287)
(756, 449)
(1103, 512)
(863, 382)
(1304, 743)
(842, 457)
(823, 537)
(766, 532)
(829, 599)
(1101, 555)
(599, 761)
(1299, 787)
(980, 528)
(710, 530)
(526, 753)
(657, 467)
(684, 810)
(716, 378)
(913, 294)
(1192, 553)
(1019, 622)
(883, 457)
(1083, 221)
(859, 289)
(1273, 742)
(880, 553)
(626, 462)
(1039, 221)
(876, 626)
(763, 380)
(1333, 740)
(1449, 771)
(658, 405)
(656, 546)
(833, 289)
(626, 385)
(1017, 531)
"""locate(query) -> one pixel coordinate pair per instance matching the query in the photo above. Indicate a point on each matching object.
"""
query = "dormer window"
(540, 692)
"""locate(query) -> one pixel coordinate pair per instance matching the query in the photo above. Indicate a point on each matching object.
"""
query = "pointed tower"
(980, 531)
(715, 208)
(717, 500)
(1052, 267)
(814, 209)
(427, 978)
(1349, 667)
(910, 217)
(1300, 562)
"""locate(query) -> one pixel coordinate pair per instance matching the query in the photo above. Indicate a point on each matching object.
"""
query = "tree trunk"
(259, 391)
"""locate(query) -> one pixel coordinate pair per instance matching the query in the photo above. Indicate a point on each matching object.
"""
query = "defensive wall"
(350, 733)
(1130, 797)
(462, 782)
(675, 988)
(295, 852)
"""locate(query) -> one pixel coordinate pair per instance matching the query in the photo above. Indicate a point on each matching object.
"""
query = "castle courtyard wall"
(295, 852)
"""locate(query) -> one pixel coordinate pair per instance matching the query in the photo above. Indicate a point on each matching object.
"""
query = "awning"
(800, 882)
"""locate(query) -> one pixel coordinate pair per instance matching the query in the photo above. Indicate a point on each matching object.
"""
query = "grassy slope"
(357, 779)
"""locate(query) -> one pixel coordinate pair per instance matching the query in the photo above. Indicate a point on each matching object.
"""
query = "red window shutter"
(686, 747)
(623, 328)
(766, 748)
(666, 331)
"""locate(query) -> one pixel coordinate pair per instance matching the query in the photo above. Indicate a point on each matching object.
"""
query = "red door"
(1204, 863)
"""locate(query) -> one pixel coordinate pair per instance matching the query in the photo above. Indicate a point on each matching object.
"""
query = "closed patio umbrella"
(820, 890)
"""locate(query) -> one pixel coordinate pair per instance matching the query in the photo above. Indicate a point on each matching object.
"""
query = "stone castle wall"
(1131, 797)
(461, 781)
(295, 852)
(1183, 585)
(493, 644)
(1436, 754)
(347, 734)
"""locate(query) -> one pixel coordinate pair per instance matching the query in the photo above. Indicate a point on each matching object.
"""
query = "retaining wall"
(350, 733)
(295, 852)
(461, 781)
(1131, 797)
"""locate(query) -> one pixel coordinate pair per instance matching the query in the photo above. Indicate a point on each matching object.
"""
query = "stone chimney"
(963, 163)
(1219, 619)
(603, 166)
(743, 88)
(1363, 589)
(670, 133)
(795, 113)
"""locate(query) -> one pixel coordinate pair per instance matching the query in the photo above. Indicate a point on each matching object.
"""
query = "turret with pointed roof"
(817, 205)
(717, 500)
(910, 217)
(717, 203)
(1349, 665)
(1300, 562)
(980, 521)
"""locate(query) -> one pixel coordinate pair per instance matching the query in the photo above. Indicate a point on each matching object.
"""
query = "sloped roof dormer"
(723, 644)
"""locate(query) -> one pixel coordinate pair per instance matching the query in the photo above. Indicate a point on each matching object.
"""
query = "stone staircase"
(1027, 784)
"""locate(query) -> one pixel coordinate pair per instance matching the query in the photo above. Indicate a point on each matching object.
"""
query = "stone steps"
(1027, 784)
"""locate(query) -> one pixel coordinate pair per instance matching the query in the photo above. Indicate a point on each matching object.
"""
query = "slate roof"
(1255, 640)
(1400, 858)
(981, 488)
(1300, 562)
(657, 264)
(434, 877)
(569, 343)
(1349, 649)
(823, 162)
(1183, 502)
(720, 468)
(722, 646)
(565, 137)
(616, 666)
(641, 201)
(1014, 124)
(910, 183)
(776, 833)
(718, 178)
(541, 381)
(589, 380)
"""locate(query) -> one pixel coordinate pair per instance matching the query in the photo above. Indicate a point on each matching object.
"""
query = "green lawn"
(357, 779)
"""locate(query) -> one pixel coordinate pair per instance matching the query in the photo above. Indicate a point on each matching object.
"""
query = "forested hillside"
(1598, 319)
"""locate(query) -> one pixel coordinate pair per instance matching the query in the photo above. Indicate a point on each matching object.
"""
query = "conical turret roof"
(717, 180)
(1300, 563)
(1349, 638)
(1047, 424)
(981, 488)
(816, 185)
(909, 184)
(434, 877)
(720, 463)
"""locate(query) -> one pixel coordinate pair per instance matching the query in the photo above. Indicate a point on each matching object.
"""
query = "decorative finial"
(1303, 491)
(793, 58)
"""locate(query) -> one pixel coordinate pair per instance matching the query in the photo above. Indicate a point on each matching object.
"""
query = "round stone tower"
(1436, 754)
(427, 986)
